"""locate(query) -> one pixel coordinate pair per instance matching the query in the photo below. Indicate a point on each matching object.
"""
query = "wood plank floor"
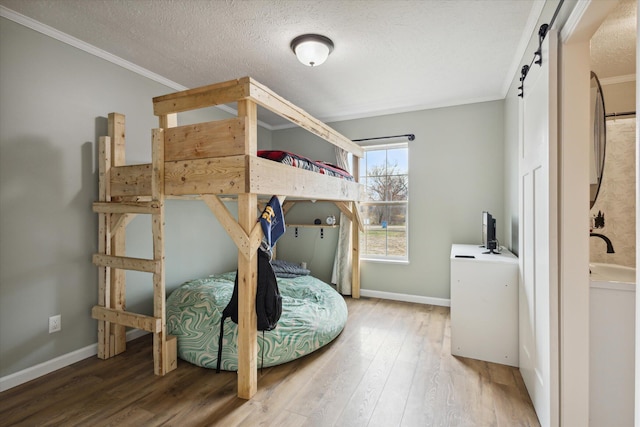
(391, 366)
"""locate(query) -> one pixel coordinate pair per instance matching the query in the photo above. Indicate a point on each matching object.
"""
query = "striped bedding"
(302, 162)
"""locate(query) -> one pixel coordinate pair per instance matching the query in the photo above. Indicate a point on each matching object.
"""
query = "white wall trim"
(86, 47)
(103, 54)
(570, 26)
(618, 79)
(44, 368)
(406, 297)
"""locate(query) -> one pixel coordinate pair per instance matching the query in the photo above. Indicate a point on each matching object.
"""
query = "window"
(384, 170)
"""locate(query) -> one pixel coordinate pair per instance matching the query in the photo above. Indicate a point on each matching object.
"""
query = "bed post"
(247, 318)
(355, 236)
(168, 120)
(164, 345)
(157, 224)
(117, 341)
(104, 244)
(248, 270)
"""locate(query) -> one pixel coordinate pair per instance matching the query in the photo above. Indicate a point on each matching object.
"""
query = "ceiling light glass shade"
(312, 49)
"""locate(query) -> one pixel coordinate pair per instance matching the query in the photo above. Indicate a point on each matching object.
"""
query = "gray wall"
(511, 165)
(316, 247)
(54, 100)
(456, 171)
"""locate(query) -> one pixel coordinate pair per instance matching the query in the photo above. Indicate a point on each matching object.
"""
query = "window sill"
(386, 261)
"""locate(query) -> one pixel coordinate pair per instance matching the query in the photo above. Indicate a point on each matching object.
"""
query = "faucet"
(607, 241)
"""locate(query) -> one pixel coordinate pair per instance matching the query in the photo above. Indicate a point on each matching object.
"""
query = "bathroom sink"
(612, 272)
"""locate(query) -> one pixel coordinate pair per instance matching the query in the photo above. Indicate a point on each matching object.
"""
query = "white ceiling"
(389, 56)
(613, 46)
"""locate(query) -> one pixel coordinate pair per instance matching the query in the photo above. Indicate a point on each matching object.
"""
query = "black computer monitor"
(489, 240)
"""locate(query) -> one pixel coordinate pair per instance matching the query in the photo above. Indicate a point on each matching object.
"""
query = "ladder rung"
(127, 263)
(152, 207)
(132, 320)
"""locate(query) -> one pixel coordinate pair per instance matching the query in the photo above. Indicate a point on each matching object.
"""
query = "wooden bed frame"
(208, 161)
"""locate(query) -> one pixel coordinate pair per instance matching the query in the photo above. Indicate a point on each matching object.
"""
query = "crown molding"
(618, 79)
(38, 26)
(86, 47)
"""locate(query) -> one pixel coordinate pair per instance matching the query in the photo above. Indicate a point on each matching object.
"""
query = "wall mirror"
(598, 138)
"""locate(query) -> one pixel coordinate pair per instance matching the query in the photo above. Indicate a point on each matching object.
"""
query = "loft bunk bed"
(209, 161)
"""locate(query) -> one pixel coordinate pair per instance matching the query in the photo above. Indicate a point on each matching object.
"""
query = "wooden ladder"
(114, 215)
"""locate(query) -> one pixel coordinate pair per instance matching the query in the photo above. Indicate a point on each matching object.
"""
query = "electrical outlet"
(55, 323)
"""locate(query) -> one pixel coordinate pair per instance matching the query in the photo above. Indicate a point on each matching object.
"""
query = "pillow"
(288, 269)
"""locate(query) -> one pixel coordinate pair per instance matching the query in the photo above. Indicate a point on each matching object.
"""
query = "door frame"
(573, 237)
(637, 388)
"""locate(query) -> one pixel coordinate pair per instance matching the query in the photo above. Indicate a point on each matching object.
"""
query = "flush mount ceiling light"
(312, 49)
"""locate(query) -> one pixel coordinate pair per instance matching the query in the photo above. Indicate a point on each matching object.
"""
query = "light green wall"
(456, 171)
(511, 165)
(54, 100)
(316, 247)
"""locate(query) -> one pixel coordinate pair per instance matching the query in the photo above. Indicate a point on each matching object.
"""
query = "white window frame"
(363, 173)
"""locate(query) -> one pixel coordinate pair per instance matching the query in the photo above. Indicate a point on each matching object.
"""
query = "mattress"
(313, 314)
(302, 162)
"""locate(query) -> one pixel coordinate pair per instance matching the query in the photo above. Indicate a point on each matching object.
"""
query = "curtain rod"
(625, 113)
(409, 136)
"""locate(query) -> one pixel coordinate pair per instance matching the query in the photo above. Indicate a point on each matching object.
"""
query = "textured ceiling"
(613, 46)
(390, 56)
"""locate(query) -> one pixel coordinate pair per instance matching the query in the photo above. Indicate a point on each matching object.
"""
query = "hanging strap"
(220, 344)
(262, 354)
(220, 348)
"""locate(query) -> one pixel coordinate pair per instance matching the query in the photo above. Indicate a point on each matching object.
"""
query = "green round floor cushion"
(313, 314)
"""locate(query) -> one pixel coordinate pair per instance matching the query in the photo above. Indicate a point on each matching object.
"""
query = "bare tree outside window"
(385, 213)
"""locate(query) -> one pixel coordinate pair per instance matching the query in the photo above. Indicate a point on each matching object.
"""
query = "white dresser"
(484, 304)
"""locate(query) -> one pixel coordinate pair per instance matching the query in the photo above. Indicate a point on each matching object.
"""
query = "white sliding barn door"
(538, 251)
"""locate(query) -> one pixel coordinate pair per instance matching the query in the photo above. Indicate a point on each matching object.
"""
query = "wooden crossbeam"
(126, 263)
(247, 89)
(286, 207)
(126, 207)
(219, 138)
(346, 209)
(206, 96)
(124, 318)
(247, 244)
(274, 102)
(120, 221)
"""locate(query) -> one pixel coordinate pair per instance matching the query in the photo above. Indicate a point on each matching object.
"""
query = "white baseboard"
(406, 297)
(59, 362)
